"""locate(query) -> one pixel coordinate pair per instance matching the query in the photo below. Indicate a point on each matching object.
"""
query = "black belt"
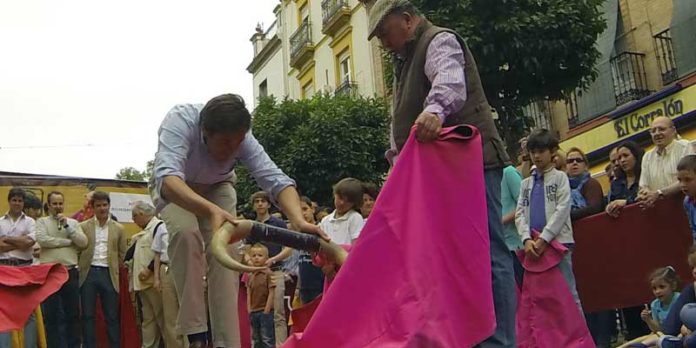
(15, 262)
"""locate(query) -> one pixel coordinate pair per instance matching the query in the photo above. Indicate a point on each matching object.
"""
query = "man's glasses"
(574, 160)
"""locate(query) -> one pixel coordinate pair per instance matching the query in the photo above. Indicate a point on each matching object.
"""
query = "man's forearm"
(671, 190)
(178, 192)
(289, 201)
(21, 243)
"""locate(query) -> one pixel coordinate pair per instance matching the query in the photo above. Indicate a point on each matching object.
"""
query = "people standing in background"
(86, 212)
(658, 176)
(99, 271)
(61, 242)
(370, 192)
(587, 197)
(150, 298)
(624, 189)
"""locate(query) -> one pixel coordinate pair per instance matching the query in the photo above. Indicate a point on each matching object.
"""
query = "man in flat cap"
(436, 84)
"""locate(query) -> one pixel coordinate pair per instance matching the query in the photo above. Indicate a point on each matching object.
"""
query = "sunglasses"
(574, 160)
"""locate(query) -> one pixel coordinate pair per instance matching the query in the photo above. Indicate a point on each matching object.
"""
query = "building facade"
(316, 46)
(647, 69)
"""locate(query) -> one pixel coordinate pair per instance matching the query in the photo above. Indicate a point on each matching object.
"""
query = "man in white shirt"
(99, 271)
(658, 177)
(61, 242)
(17, 237)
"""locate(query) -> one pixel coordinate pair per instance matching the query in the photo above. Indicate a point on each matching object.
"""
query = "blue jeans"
(98, 283)
(566, 268)
(504, 295)
(30, 335)
(61, 313)
(262, 329)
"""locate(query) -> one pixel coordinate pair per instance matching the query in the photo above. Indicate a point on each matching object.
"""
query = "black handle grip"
(282, 236)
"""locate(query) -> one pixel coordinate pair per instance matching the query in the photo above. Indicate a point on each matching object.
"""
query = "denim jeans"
(30, 335)
(504, 295)
(98, 283)
(262, 329)
(566, 268)
(61, 313)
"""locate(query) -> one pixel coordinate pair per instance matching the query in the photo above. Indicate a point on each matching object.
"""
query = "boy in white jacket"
(544, 205)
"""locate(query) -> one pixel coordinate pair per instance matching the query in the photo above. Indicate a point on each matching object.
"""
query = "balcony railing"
(665, 56)
(335, 14)
(628, 72)
(347, 88)
(571, 104)
(540, 112)
(301, 44)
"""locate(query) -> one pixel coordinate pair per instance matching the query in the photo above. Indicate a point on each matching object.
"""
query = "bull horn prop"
(228, 234)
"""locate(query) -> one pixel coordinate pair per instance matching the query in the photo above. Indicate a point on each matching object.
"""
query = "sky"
(84, 85)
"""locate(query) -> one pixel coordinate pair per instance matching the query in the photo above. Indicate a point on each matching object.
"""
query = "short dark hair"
(31, 201)
(687, 163)
(16, 192)
(351, 190)
(225, 113)
(637, 152)
(306, 200)
(542, 139)
(53, 193)
(259, 194)
(100, 196)
(371, 189)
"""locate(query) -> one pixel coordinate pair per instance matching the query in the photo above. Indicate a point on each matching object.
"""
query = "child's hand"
(645, 314)
(685, 331)
(157, 284)
(529, 249)
(540, 246)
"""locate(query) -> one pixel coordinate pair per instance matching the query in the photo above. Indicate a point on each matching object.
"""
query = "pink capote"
(547, 316)
(420, 273)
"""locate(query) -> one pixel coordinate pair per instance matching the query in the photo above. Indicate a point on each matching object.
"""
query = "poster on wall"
(122, 203)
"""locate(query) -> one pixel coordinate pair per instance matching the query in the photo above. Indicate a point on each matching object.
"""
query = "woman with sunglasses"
(585, 192)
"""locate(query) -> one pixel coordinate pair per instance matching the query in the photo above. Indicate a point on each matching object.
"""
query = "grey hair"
(144, 207)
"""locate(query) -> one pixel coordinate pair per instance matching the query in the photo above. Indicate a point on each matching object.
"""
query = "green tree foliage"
(130, 173)
(321, 140)
(525, 49)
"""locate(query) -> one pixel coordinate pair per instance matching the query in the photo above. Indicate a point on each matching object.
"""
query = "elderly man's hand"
(648, 199)
(428, 126)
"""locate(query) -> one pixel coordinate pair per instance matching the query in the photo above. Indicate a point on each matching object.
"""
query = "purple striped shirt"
(444, 67)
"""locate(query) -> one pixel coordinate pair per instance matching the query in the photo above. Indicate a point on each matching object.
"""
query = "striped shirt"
(659, 169)
(444, 67)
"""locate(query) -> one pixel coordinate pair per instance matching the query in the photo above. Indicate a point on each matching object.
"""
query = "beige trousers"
(281, 325)
(192, 266)
(152, 325)
(170, 309)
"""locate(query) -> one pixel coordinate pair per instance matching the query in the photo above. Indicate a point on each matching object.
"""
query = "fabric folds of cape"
(547, 316)
(22, 289)
(420, 273)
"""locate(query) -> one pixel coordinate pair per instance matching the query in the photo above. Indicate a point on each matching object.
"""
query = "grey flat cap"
(379, 10)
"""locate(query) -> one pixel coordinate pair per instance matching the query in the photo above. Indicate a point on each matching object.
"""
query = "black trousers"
(61, 313)
(98, 283)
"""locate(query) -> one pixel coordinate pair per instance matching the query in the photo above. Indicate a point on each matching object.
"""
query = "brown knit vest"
(411, 87)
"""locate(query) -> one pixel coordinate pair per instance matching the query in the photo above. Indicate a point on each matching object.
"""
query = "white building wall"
(273, 73)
